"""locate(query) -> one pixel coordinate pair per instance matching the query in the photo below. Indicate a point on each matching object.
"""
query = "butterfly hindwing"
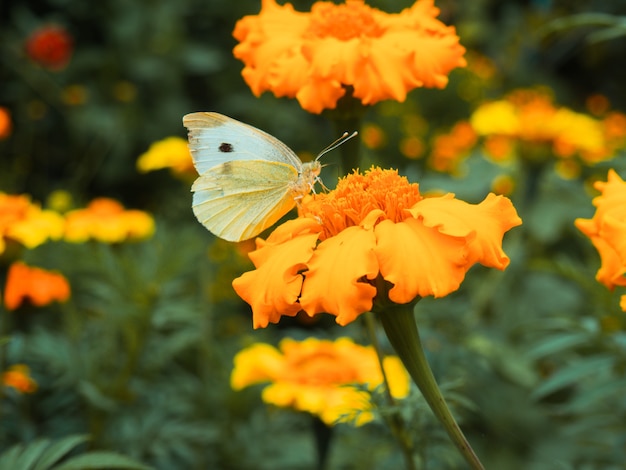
(238, 199)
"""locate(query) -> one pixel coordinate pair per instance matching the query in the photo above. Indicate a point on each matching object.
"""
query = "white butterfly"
(248, 179)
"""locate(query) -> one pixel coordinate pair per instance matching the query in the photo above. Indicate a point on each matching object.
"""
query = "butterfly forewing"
(238, 199)
(215, 138)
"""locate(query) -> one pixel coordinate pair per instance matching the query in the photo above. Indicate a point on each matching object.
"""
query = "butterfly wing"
(215, 138)
(238, 199)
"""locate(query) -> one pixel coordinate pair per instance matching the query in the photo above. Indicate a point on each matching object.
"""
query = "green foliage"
(532, 359)
(45, 454)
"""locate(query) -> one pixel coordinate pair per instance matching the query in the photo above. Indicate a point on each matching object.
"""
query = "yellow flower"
(27, 223)
(316, 376)
(37, 285)
(374, 236)
(106, 220)
(172, 152)
(531, 116)
(607, 230)
(18, 377)
(316, 57)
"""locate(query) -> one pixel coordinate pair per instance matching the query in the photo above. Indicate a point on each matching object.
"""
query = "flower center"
(357, 196)
(344, 22)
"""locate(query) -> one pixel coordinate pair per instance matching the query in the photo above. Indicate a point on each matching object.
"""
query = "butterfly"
(248, 178)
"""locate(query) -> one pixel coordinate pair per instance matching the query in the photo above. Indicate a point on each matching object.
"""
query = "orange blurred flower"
(18, 377)
(450, 149)
(315, 376)
(373, 238)
(5, 123)
(27, 223)
(316, 57)
(171, 152)
(607, 230)
(107, 221)
(36, 285)
(50, 46)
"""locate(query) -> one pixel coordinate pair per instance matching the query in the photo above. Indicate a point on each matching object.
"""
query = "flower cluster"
(18, 377)
(107, 221)
(317, 57)
(103, 219)
(25, 222)
(374, 236)
(171, 152)
(316, 375)
(531, 116)
(607, 231)
(50, 46)
(36, 285)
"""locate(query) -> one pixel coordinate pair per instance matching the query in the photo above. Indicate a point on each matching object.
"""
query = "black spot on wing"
(225, 147)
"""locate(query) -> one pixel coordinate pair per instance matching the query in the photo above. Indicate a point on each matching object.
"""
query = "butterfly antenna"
(344, 138)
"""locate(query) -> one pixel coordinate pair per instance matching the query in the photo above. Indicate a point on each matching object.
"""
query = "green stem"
(395, 421)
(401, 329)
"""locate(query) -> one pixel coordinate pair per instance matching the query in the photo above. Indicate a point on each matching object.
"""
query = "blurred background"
(533, 360)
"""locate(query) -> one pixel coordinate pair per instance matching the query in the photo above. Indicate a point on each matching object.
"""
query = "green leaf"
(558, 343)
(101, 459)
(58, 449)
(573, 374)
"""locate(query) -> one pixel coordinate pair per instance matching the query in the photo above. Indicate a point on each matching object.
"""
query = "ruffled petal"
(482, 224)
(336, 279)
(419, 260)
(272, 290)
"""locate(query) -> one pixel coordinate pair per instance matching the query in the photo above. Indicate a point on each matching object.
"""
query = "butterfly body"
(248, 178)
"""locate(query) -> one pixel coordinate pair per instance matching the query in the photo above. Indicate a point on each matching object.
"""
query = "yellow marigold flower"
(27, 223)
(315, 57)
(18, 377)
(106, 220)
(36, 285)
(607, 230)
(531, 116)
(316, 375)
(622, 302)
(373, 229)
(171, 152)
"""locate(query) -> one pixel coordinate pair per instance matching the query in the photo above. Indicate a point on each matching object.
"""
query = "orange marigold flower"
(373, 230)
(450, 149)
(315, 57)
(50, 46)
(5, 122)
(607, 230)
(107, 221)
(27, 223)
(18, 377)
(315, 376)
(36, 285)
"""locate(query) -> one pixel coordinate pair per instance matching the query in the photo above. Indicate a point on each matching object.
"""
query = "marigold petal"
(419, 260)
(483, 224)
(257, 363)
(335, 282)
(272, 290)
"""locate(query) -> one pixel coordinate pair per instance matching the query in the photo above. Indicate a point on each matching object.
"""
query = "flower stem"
(395, 422)
(399, 325)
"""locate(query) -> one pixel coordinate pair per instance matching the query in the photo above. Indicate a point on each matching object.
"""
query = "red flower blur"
(50, 46)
